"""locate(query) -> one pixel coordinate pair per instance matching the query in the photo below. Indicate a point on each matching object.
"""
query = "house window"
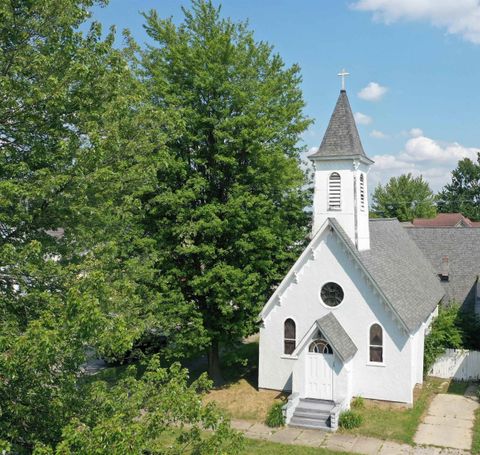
(362, 192)
(376, 343)
(331, 294)
(334, 191)
(289, 336)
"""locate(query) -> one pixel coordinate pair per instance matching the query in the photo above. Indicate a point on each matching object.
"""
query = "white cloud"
(459, 17)
(378, 134)
(425, 156)
(415, 132)
(425, 149)
(372, 92)
(362, 119)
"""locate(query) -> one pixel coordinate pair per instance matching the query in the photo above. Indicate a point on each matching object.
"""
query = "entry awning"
(334, 334)
(337, 337)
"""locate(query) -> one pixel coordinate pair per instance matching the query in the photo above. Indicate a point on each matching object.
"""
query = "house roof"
(341, 140)
(445, 220)
(399, 269)
(462, 247)
(336, 335)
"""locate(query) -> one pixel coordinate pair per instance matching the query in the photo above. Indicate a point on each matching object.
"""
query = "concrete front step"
(312, 413)
(310, 403)
(309, 423)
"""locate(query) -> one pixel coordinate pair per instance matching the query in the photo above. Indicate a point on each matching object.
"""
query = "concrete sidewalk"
(335, 441)
(449, 420)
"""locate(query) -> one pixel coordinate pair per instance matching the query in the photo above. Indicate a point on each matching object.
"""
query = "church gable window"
(334, 191)
(289, 336)
(331, 294)
(376, 343)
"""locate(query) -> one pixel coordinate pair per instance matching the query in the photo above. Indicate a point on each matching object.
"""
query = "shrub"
(358, 403)
(445, 332)
(275, 416)
(350, 419)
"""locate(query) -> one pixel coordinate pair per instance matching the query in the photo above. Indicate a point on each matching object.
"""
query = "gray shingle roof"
(335, 334)
(399, 269)
(341, 140)
(462, 246)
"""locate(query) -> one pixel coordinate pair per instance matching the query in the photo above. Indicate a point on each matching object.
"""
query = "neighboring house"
(454, 253)
(349, 318)
(446, 220)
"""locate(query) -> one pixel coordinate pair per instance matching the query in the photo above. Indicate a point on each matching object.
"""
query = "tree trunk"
(214, 364)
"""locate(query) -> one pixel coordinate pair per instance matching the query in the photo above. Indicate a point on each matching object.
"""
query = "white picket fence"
(459, 364)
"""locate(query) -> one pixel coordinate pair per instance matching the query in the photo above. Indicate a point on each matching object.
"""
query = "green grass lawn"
(257, 447)
(384, 421)
(476, 434)
(458, 387)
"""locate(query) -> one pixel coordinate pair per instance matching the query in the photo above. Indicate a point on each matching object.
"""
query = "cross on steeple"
(343, 74)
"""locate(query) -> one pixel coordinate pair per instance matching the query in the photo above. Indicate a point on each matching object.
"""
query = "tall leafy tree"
(228, 212)
(404, 197)
(75, 154)
(48, 89)
(462, 194)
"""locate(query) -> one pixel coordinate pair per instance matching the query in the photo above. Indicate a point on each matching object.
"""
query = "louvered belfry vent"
(334, 192)
(362, 192)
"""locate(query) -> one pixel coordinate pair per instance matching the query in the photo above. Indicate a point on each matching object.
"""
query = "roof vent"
(445, 269)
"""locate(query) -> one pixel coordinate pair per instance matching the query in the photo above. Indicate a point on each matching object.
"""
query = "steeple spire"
(341, 139)
(341, 169)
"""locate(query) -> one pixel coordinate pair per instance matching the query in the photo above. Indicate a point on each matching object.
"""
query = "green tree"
(75, 153)
(446, 332)
(51, 88)
(462, 194)
(158, 413)
(228, 213)
(404, 197)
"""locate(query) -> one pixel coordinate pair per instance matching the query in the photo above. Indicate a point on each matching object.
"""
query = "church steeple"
(341, 168)
(341, 139)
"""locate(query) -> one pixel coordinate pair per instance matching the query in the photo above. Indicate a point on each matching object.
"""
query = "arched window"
(376, 343)
(289, 339)
(362, 192)
(334, 191)
(320, 347)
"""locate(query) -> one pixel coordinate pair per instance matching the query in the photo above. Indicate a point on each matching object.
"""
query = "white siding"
(348, 198)
(393, 380)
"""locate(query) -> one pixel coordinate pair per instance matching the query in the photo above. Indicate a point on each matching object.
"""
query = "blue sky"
(418, 59)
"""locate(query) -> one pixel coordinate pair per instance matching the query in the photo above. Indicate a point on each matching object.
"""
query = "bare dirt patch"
(241, 400)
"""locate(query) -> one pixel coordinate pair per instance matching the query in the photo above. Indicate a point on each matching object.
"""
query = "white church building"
(349, 318)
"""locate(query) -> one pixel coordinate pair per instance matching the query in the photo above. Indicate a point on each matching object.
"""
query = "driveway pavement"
(449, 421)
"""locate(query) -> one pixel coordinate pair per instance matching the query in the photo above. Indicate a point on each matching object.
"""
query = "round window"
(331, 294)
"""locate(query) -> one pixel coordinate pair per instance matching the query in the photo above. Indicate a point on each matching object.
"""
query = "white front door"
(319, 376)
